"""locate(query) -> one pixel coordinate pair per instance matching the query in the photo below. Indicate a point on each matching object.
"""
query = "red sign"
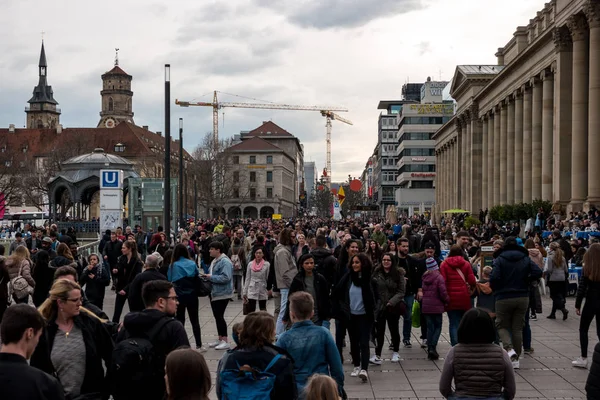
(422, 175)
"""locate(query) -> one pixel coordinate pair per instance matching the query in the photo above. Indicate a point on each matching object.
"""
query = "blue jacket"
(221, 278)
(513, 272)
(182, 273)
(314, 352)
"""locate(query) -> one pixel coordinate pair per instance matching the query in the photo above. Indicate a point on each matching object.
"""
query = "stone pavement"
(547, 374)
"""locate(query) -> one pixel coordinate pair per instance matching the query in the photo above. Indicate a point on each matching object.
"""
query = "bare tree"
(323, 200)
(10, 188)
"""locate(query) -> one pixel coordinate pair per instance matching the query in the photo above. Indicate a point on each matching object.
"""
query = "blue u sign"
(109, 179)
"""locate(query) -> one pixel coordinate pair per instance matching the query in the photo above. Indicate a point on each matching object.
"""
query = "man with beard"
(414, 272)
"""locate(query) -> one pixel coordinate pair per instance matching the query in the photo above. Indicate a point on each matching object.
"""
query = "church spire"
(43, 56)
(42, 111)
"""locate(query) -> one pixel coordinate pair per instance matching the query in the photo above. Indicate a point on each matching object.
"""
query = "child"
(435, 298)
(485, 297)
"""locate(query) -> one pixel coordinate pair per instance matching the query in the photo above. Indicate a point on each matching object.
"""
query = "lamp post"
(167, 195)
(195, 201)
(181, 184)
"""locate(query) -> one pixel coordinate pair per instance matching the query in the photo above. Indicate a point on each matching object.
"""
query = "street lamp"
(181, 187)
(167, 179)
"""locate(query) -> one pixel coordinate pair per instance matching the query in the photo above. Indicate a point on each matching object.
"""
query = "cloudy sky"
(349, 53)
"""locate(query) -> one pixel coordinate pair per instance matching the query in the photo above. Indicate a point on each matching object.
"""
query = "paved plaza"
(547, 374)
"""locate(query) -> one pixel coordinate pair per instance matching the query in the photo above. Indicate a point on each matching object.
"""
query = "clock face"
(109, 123)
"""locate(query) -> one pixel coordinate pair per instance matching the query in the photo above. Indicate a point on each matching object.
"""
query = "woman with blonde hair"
(19, 268)
(556, 274)
(589, 289)
(74, 343)
(321, 387)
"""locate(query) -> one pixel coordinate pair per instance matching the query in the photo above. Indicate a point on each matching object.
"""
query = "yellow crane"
(326, 111)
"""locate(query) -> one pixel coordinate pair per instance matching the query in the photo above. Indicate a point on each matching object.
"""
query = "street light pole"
(167, 201)
(181, 186)
(195, 201)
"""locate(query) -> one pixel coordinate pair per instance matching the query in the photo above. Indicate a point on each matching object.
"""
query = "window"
(269, 159)
(421, 184)
(119, 147)
(236, 176)
(252, 176)
(384, 134)
(385, 161)
(269, 193)
(252, 193)
(252, 159)
(269, 176)
(236, 159)
(417, 168)
(25, 149)
(111, 104)
(236, 193)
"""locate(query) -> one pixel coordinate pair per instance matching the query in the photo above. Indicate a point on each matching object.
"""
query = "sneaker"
(407, 344)
(551, 316)
(375, 360)
(395, 357)
(223, 346)
(512, 354)
(424, 344)
(355, 371)
(201, 349)
(565, 314)
(528, 351)
(516, 364)
(580, 362)
(214, 344)
(363, 375)
(434, 354)
(533, 317)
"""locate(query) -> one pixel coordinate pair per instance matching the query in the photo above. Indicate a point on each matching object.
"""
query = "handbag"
(202, 286)
(398, 310)
(19, 286)
(469, 288)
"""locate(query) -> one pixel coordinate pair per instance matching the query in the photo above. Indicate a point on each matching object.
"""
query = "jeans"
(119, 303)
(392, 322)
(434, 329)
(510, 318)
(251, 307)
(590, 310)
(454, 316)
(276, 304)
(190, 302)
(407, 323)
(280, 327)
(218, 309)
(527, 333)
(340, 336)
(359, 330)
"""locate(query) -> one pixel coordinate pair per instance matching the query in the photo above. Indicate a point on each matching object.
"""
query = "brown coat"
(13, 270)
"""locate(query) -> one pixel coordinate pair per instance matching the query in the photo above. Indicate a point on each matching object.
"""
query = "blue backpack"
(246, 383)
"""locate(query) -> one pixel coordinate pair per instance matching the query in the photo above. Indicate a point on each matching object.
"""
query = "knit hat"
(432, 265)
(429, 245)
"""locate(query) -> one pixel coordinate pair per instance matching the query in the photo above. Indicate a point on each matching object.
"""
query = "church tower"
(42, 111)
(116, 97)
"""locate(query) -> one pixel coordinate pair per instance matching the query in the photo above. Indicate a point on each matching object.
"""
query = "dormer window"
(119, 147)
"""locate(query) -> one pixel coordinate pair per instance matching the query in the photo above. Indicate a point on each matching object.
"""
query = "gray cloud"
(327, 14)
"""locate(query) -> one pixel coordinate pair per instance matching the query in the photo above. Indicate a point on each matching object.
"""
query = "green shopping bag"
(416, 315)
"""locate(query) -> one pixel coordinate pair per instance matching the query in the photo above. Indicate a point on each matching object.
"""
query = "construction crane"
(326, 111)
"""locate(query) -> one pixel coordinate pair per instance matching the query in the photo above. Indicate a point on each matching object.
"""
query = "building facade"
(527, 128)
(310, 179)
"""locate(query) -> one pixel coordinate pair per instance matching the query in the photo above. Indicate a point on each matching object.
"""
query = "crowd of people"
(365, 277)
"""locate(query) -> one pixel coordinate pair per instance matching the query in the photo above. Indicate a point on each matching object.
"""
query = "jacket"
(98, 347)
(255, 284)
(389, 289)
(565, 247)
(322, 302)
(314, 352)
(19, 381)
(259, 358)
(340, 298)
(435, 295)
(43, 275)
(60, 261)
(485, 296)
(588, 290)
(592, 387)
(134, 298)
(512, 272)
(325, 263)
(13, 270)
(285, 266)
(112, 250)
(221, 278)
(455, 284)
(170, 337)
(30, 240)
(95, 287)
(305, 250)
(415, 269)
(556, 273)
(182, 273)
(127, 272)
(379, 237)
(223, 238)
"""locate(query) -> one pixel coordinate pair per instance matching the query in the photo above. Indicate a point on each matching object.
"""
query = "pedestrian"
(237, 255)
(20, 332)
(557, 274)
(535, 298)
(186, 375)
(435, 300)
(255, 284)
(96, 277)
(111, 253)
(43, 275)
(321, 387)
(592, 386)
(588, 290)
(221, 277)
(285, 271)
(479, 368)
(150, 273)
(127, 268)
(19, 266)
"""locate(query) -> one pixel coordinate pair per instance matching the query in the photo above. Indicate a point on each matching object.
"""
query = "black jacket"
(414, 269)
(43, 275)
(170, 337)
(134, 296)
(95, 287)
(305, 250)
(112, 250)
(565, 247)
(98, 347)
(29, 243)
(513, 272)
(340, 298)
(19, 381)
(322, 290)
(325, 263)
(592, 387)
(588, 290)
(127, 272)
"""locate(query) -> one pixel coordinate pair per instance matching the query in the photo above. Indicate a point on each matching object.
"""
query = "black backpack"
(135, 365)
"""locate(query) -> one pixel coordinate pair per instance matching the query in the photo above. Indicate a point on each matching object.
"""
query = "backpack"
(237, 264)
(135, 364)
(19, 285)
(247, 383)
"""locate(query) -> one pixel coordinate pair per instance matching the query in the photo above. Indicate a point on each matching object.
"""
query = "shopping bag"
(416, 315)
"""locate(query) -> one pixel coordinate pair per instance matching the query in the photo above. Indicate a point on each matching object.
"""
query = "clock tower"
(116, 97)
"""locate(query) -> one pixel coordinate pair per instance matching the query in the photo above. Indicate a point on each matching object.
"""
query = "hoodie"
(325, 263)
(457, 287)
(285, 266)
(513, 272)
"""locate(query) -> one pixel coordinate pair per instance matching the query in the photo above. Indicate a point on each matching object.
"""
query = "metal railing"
(80, 226)
(88, 249)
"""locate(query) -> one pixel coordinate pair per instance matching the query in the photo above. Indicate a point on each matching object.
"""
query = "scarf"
(257, 267)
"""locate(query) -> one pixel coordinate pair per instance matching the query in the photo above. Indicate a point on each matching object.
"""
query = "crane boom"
(331, 116)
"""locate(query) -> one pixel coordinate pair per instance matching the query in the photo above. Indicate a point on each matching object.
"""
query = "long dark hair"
(180, 251)
(344, 258)
(364, 276)
(133, 247)
(394, 271)
(42, 259)
(476, 327)
(302, 259)
(188, 375)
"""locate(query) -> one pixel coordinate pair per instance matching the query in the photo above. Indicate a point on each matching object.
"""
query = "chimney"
(145, 127)
(500, 55)
(159, 133)
(59, 128)
(11, 128)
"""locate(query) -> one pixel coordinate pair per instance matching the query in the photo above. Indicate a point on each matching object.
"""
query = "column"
(579, 124)
(490, 160)
(468, 181)
(441, 173)
(459, 172)
(563, 99)
(496, 169)
(547, 131)
(518, 146)
(510, 152)
(463, 164)
(527, 143)
(536, 140)
(475, 166)
(484, 161)
(592, 11)
(502, 147)
(454, 173)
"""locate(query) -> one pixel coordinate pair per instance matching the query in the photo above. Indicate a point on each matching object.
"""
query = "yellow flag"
(341, 195)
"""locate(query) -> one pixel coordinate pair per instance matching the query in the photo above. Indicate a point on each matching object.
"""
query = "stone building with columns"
(528, 128)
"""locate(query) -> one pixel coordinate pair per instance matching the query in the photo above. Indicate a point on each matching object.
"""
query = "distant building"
(310, 177)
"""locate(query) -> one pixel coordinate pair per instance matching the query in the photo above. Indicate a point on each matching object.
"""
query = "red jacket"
(455, 284)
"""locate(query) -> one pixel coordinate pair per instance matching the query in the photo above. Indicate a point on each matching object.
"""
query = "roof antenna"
(116, 56)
